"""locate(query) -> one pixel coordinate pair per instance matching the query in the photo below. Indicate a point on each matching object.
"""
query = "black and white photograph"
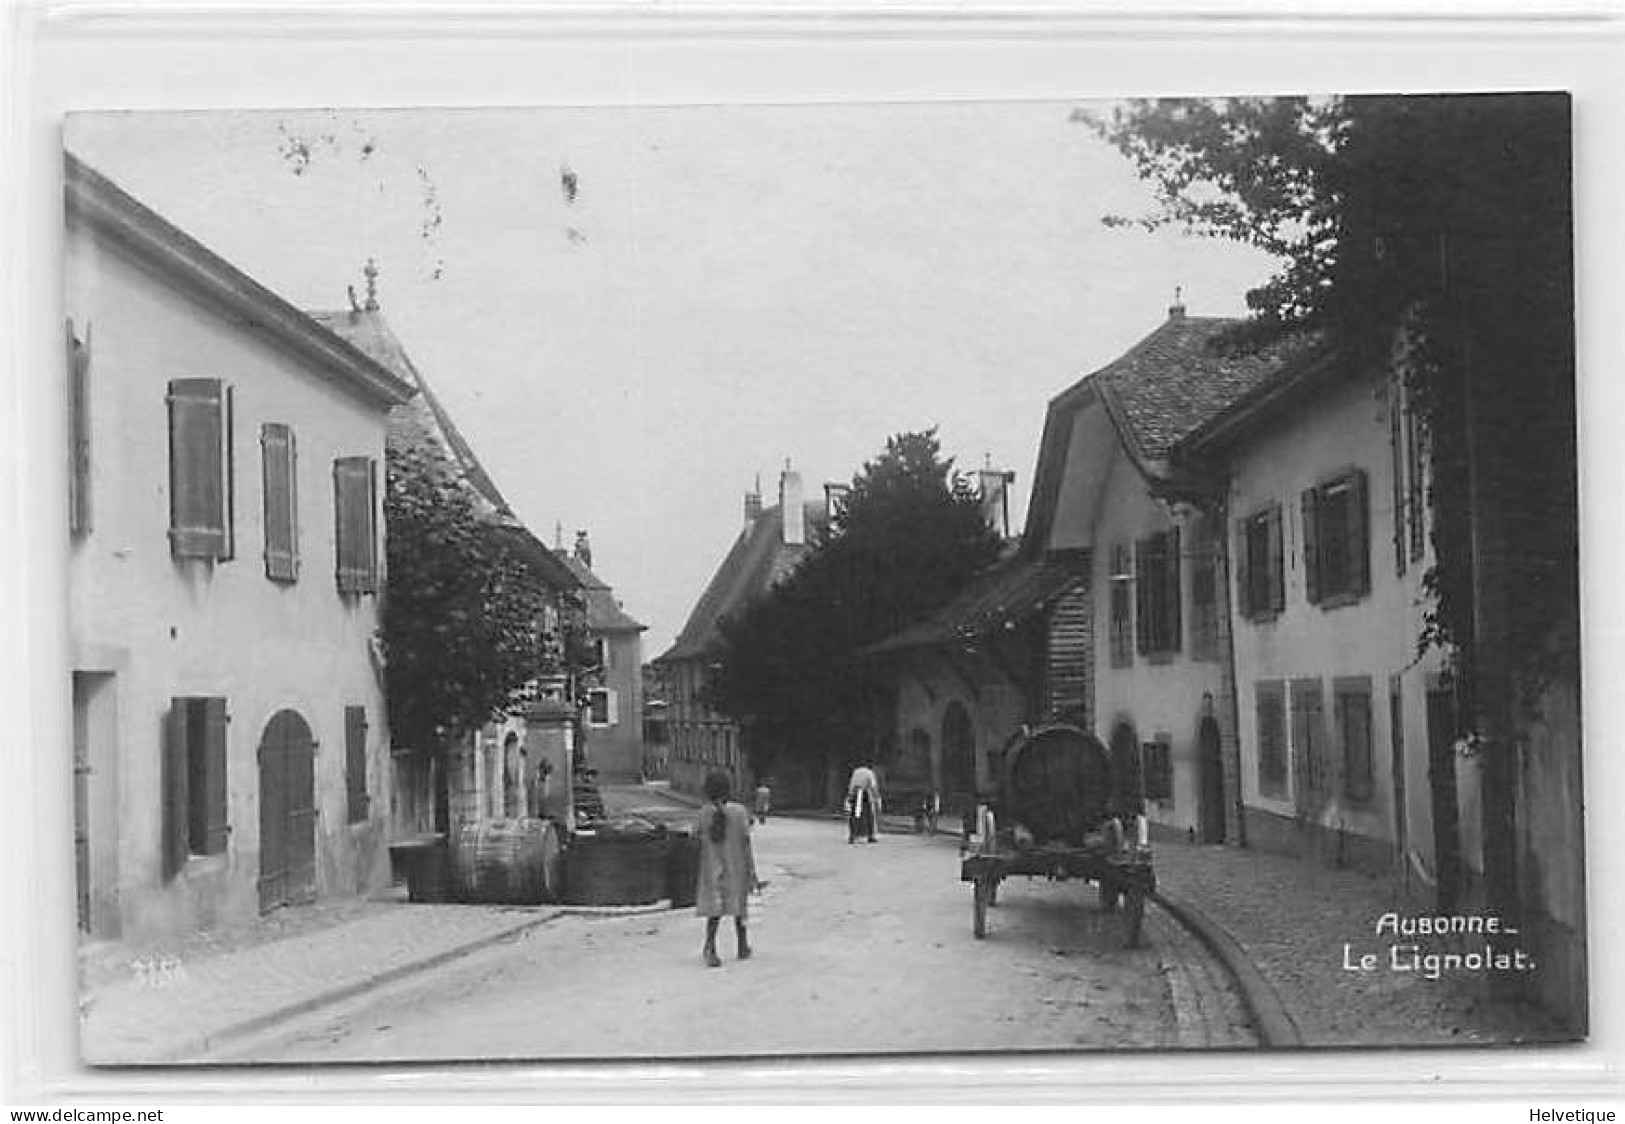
(885, 579)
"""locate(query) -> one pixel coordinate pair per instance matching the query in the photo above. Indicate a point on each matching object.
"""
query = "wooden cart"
(1053, 816)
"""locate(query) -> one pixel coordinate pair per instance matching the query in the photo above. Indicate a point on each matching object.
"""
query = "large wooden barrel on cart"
(509, 862)
(1058, 784)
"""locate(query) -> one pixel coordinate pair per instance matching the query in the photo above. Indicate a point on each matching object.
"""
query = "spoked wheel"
(981, 893)
(1134, 914)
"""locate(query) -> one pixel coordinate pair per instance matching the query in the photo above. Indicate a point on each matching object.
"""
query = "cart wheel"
(1134, 911)
(979, 896)
(1108, 896)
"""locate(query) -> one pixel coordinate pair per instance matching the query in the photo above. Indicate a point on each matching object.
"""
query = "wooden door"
(287, 768)
(1210, 811)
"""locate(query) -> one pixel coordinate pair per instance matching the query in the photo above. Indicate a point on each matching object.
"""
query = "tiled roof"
(604, 613)
(1176, 378)
(758, 560)
(1004, 594)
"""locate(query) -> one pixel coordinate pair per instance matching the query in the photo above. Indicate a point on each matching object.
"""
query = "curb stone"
(1276, 1028)
(203, 1044)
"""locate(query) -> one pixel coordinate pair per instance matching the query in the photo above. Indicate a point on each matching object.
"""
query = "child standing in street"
(727, 869)
(764, 800)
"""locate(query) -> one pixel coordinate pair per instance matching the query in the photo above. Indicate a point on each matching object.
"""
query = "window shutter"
(197, 475)
(1244, 584)
(354, 484)
(214, 775)
(1173, 631)
(277, 455)
(1142, 595)
(78, 431)
(355, 762)
(1359, 533)
(1311, 551)
(172, 781)
(1396, 444)
(1275, 551)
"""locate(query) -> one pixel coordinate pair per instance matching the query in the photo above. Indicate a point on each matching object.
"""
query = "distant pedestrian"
(764, 801)
(727, 869)
(862, 804)
(930, 809)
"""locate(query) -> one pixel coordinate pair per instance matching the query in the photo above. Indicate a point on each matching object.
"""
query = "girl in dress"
(727, 874)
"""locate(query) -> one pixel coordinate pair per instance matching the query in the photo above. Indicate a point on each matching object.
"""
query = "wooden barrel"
(508, 862)
(615, 869)
(1058, 784)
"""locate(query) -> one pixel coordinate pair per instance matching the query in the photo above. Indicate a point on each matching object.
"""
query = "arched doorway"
(1127, 788)
(1210, 808)
(287, 759)
(914, 767)
(958, 753)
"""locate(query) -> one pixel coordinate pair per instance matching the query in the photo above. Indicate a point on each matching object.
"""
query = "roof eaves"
(100, 203)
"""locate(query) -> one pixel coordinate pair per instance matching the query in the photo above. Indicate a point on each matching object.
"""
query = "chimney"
(835, 500)
(995, 491)
(753, 504)
(1176, 311)
(583, 549)
(791, 510)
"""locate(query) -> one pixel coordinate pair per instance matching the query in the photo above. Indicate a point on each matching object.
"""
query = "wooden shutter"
(173, 846)
(1172, 622)
(1142, 595)
(1244, 585)
(277, 458)
(78, 431)
(1396, 446)
(1311, 544)
(1359, 534)
(1308, 745)
(1275, 553)
(355, 762)
(354, 486)
(214, 775)
(197, 469)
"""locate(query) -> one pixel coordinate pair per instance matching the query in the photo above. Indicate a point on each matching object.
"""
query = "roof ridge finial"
(370, 272)
(558, 534)
(1176, 311)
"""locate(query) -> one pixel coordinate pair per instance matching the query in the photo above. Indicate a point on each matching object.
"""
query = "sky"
(631, 312)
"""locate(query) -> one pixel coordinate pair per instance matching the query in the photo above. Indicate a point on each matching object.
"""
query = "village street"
(857, 948)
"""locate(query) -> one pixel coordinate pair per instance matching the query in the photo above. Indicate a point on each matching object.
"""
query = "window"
(194, 781)
(601, 707)
(1157, 768)
(1351, 711)
(1205, 600)
(1408, 437)
(1121, 583)
(1336, 550)
(200, 475)
(355, 490)
(78, 432)
(1271, 702)
(281, 502)
(1260, 583)
(356, 800)
(1156, 592)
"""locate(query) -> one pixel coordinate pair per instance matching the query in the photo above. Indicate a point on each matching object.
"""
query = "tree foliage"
(910, 536)
(463, 619)
(1453, 215)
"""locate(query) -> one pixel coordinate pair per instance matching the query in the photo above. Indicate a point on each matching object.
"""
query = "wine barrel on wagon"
(1057, 784)
(509, 862)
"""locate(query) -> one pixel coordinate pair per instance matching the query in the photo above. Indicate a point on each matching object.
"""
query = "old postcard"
(798, 580)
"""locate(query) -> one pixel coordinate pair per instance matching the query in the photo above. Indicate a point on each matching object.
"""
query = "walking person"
(862, 804)
(727, 872)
